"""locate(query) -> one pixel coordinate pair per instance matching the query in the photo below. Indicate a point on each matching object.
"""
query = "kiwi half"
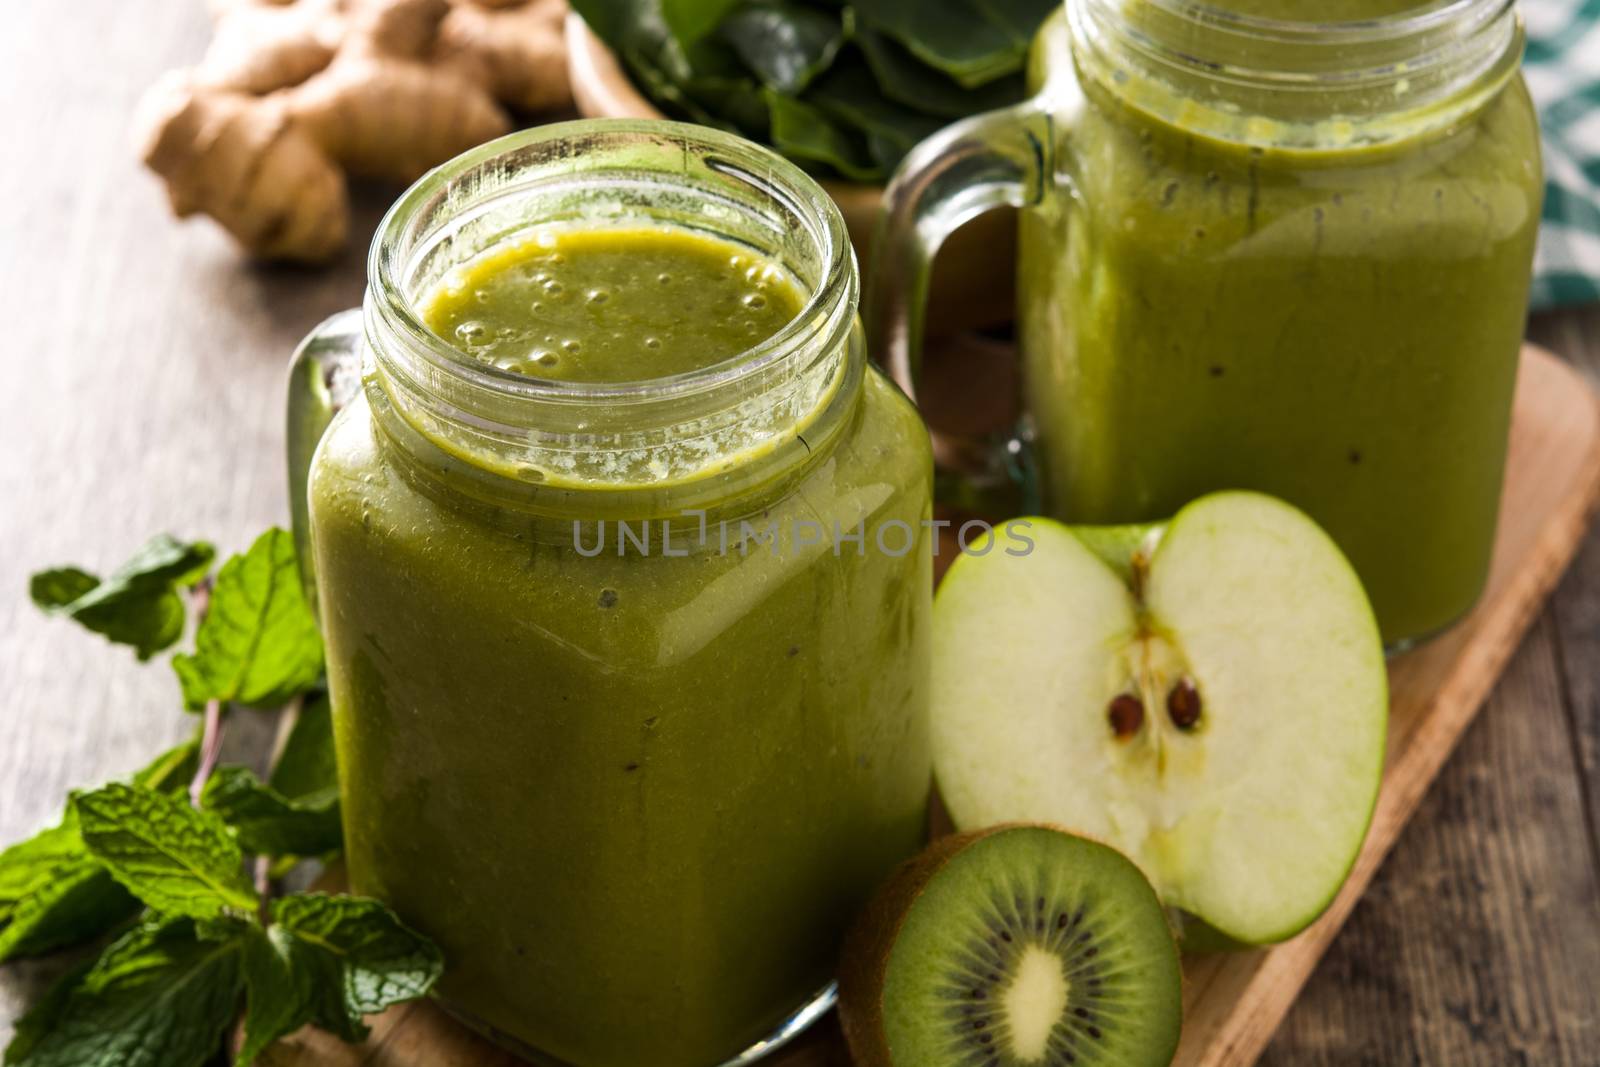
(1013, 946)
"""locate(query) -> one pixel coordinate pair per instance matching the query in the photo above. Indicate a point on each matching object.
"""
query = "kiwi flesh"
(1015, 946)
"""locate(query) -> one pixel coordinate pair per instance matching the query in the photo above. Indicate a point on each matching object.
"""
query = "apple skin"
(1119, 546)
(1130, 552)
(1198, 937)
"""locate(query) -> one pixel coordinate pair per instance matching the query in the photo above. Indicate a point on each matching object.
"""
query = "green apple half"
(1209, 696)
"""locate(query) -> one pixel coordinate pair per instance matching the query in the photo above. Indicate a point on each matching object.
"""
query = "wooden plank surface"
(142, 369)
(1235, 1001)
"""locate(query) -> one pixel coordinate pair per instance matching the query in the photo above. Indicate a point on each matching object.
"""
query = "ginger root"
(293, 95)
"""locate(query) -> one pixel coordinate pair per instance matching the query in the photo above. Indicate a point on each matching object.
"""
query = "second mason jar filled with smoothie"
(1264, 244)
(627, 720)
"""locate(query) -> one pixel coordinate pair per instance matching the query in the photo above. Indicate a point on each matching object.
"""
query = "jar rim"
(755, 164)
(1302, 85)
(1405, 23)
(751, 418)
(1210, 41)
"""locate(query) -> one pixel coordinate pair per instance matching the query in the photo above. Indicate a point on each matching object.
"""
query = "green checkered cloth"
(1563, 71)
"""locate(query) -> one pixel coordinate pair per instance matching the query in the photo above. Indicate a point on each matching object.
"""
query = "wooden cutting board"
(1234, 1002)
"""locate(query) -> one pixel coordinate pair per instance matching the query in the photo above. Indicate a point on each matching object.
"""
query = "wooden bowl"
(973, 282)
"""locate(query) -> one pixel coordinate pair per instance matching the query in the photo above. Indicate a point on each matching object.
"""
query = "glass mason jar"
(1261, 254)
(627, 718)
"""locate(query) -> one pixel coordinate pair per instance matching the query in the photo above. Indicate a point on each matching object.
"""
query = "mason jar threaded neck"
(1298, 84)
(644, 435)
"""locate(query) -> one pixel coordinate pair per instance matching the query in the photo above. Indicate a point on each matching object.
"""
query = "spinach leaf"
(963, 38)
(904, 80)
(764, 68)
(690, 20)
(785, 44)
(846, 94)
(805, 134)
(1020, 19)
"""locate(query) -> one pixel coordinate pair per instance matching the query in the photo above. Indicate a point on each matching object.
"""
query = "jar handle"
(999, 158)
(324, 375)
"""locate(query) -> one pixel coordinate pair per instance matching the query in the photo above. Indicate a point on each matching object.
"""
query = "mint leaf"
(53, 892)
(329, 961)
(44, 1013)
(157, 997)
(306, 769)
(172, 770)
(279, 988)
(258, 644)
(53, 590)
(361, 958)
(268, 823)
(138, 604)
(177, 860)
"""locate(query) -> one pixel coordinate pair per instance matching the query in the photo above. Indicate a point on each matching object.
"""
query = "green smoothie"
(612, 305)
(1337, 325)
(636, 796)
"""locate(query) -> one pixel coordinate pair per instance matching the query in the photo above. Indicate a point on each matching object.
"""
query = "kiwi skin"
(865, 960)
(866, 949)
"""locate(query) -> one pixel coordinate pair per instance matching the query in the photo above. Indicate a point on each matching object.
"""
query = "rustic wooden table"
(142, 372)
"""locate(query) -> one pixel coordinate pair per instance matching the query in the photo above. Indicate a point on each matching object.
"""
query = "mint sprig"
(177, 860)
(267, 822)
(258, 644)
(359, 948)
(157, 997)
(54, 893)
(139, 603)
(174, 843)
(305, 770)
(330, 961)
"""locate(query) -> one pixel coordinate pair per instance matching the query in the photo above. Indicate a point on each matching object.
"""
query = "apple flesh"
(1208, 695)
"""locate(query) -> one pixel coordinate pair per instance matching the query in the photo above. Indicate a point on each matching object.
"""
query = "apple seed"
(1126, 713)
(1183, 704)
